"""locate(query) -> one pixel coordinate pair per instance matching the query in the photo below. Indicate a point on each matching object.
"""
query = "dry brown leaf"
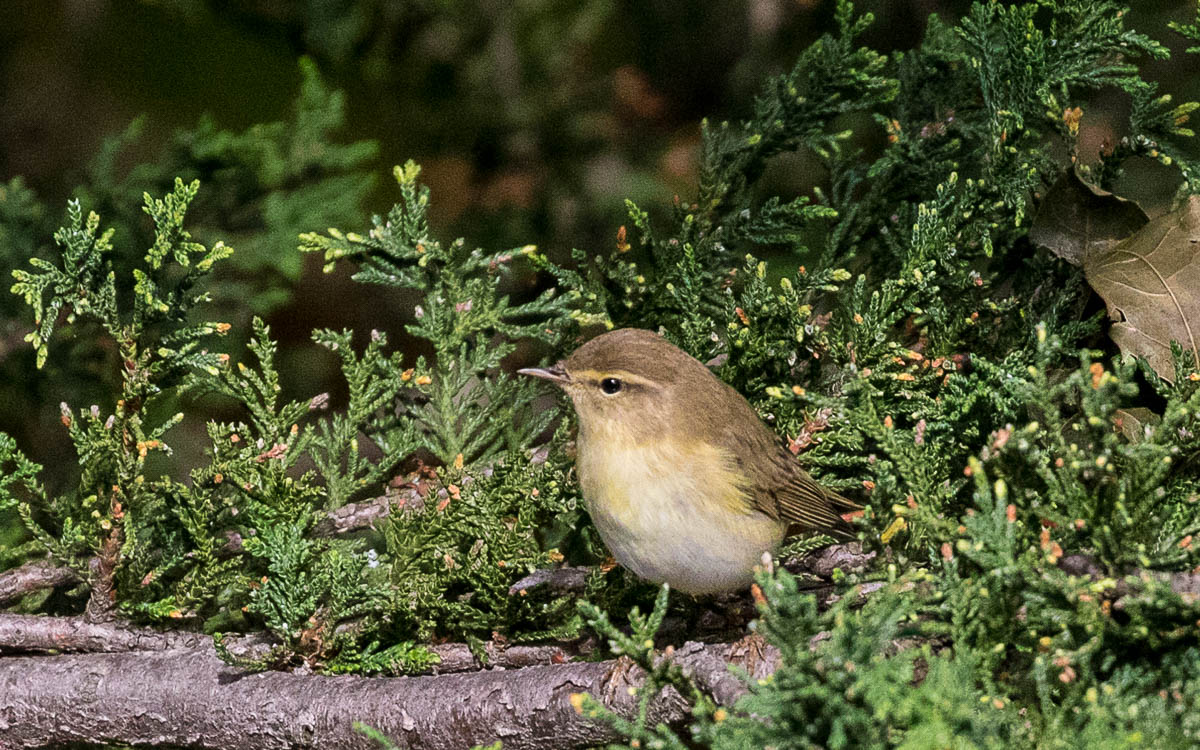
(1076, 220)
(1147, 272)
(1134, 422)
(1151, 285)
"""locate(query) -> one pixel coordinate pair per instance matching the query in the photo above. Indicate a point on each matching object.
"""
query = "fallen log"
(189, 697)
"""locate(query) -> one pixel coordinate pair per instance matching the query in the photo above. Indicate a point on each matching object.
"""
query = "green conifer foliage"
(1031, 494)
(471, 410)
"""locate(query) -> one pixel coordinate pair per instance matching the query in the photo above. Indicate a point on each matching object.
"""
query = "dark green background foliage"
(1033, 495)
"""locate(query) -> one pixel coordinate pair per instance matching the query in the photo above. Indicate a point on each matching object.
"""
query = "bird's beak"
(557, 374)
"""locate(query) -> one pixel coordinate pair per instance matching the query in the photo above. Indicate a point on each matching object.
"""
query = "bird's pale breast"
(675, 512)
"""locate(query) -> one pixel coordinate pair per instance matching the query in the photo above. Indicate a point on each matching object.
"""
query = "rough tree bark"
(145, 687)
(189, 697)
(33, 576)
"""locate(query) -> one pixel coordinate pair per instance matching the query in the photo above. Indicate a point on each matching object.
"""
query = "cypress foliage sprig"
(156, 347)
(638, 647)
(375, 381)
(471, 410)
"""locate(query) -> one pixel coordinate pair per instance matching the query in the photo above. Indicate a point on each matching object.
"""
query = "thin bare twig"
(36, 575)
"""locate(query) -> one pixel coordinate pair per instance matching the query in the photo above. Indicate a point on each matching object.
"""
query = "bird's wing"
(775, 483)
(781, 489)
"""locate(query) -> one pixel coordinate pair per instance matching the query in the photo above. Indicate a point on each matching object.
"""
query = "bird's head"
(630, 380)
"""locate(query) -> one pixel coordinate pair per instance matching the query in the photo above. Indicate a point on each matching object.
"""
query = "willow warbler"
(683, 480)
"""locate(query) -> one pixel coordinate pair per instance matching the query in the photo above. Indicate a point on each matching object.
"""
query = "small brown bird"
(683, 480)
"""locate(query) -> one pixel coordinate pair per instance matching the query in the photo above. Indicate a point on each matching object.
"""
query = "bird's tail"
(841, 529)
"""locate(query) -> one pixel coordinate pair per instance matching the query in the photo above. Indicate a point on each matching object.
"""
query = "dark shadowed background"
(533, 122)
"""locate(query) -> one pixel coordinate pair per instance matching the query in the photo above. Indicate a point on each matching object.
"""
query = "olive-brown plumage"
(684, 481)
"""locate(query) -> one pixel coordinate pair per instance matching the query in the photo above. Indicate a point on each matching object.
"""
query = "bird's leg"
(618, 679)
(748, 651)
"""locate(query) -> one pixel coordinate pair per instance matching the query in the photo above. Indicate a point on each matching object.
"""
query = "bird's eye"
(610, 385)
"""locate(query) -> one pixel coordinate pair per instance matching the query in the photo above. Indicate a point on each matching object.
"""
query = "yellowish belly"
(676, 515)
